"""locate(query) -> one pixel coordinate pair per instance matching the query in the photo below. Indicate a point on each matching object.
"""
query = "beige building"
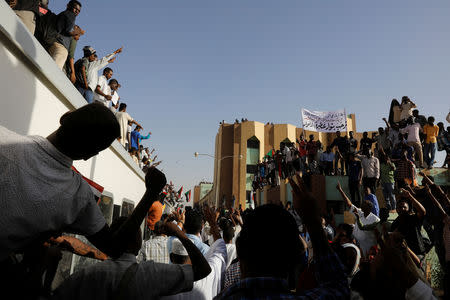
(201, 190)
(239, 146)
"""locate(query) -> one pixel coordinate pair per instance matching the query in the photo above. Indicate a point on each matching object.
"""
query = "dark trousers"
(370, 182)
(355, 193)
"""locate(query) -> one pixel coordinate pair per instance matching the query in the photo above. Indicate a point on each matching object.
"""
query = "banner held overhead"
(324, 121)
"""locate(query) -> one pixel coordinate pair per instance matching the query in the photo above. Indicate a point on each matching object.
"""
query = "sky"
(187, 65)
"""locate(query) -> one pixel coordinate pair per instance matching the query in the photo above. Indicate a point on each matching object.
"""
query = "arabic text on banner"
(324, 121)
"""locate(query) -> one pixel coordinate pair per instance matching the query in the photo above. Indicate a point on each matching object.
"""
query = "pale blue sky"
(187, 65)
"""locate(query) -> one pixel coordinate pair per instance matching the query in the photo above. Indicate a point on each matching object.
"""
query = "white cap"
(178, 248)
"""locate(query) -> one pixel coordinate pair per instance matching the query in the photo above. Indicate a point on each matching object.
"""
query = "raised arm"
(420, 210)
(210, 216)
(436, 203)
(436, 190)
(387, 123)
(112, 243)
(147, 136)
(330, 275)
(344, 196)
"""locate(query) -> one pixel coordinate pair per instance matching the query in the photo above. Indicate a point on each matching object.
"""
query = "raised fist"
(155, 180)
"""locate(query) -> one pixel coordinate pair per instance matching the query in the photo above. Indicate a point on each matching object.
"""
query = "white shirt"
(39, 193)
(407, 109)
(371, 166)
(231, 253)
(210, 286)
(101, 281)
(366, 239)
(104, 87)
(288, 153)
(92, 70)
(114, 100)
(123, 118)
(413, 131)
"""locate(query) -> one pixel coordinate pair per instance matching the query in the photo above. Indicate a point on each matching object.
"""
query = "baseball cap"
(88, 50)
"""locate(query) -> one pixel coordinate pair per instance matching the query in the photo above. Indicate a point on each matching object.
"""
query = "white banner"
(324, 121)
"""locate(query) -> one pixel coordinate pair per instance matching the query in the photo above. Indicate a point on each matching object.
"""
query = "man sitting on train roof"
(40, 195)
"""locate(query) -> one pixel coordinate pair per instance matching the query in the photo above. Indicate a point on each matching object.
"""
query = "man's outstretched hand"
(155, 180)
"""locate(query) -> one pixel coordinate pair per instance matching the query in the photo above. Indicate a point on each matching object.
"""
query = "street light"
(196, 154)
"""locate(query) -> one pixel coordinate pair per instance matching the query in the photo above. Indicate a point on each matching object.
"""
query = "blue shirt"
(376, 208)
(135, 137)
(195, 240)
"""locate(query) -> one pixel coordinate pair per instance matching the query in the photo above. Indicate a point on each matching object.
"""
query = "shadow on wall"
(17, 82)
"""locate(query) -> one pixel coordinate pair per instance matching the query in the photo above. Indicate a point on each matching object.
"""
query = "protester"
(155, 248)
(27, 11)
(210, 286)
(65, 26)
(352, 142)
(418, 118)
(228, 236)
(387, 181)
(302, 152)
(343, 147)
(66, 201)
(326, 161)
(413, 130)
(407, 108)
(383, 142)
(123, 278)
(431, 131)
(369, 196)
(365, 144)
(355, 175)
(123, 118)
(364, 215)
(69, 66)
(405, 173)
(102, 92)
(115, 98)
(93, 65)
(409, 223)
(265, 266)
(312, 147)
(371, 170)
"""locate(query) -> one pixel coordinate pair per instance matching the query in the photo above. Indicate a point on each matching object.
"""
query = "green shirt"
(387, 173)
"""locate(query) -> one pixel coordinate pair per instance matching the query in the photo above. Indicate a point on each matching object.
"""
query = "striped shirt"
(154, 249)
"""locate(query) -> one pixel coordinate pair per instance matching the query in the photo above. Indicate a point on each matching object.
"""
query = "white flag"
(324, 121)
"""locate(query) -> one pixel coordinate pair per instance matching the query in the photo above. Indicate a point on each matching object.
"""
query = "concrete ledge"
(18, 40)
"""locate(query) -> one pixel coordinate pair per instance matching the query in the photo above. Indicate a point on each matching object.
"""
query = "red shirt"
(312, 147)
(302, 148)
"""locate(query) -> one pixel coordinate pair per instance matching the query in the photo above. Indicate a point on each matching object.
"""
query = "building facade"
(239, 147)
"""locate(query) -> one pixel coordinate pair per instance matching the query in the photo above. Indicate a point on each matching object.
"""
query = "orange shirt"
(431, 132)
(154, 214)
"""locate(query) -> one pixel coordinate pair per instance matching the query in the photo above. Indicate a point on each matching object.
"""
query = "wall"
(35, 93)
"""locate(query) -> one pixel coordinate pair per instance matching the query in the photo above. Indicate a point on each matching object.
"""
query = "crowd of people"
(268, 252)
(390, 157)
(59, 35)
